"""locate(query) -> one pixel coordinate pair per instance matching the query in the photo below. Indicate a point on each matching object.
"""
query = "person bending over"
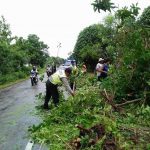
(56, 79)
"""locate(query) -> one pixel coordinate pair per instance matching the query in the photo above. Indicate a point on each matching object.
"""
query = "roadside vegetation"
(92, 120)
(18, 55)
(113, 114)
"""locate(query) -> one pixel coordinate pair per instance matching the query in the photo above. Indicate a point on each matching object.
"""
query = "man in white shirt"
(99, 68)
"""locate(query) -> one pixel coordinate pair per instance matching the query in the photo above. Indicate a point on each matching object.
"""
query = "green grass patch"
(16, 77)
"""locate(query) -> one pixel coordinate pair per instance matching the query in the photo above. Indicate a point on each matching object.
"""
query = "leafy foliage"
(131, 72)
(16, 53)
(36, 49)
(88, 109)
(125, 13)
(55, 60)
(126, 42)
(104, 5)
(91, 44)
(145, 17)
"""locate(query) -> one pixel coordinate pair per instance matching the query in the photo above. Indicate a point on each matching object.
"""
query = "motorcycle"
(34, 79)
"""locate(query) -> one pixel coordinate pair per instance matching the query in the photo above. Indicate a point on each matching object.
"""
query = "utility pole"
(58, 46)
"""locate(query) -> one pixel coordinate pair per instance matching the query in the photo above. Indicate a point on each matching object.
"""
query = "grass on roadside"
(16, 77)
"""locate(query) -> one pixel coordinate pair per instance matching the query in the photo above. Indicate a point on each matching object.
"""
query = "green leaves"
(104, 5)
(37, 50)
(88, 109)
(145, 17)
(91, 44)
(17, 52)
(127, 13)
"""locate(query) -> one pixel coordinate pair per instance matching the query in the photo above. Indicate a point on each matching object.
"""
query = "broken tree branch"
(128, 102)
(109, 100)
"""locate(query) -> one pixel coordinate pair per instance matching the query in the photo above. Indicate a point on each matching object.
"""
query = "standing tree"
(5, 40)
(37, 50)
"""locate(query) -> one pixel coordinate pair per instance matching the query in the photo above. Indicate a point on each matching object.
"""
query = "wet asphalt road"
(17, 107)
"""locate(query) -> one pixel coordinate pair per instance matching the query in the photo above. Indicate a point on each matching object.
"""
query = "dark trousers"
(99, 78)
(72, 84)
(51, 91)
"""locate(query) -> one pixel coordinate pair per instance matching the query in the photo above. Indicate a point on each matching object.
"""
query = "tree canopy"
(17, 54)
(126, 43)
(145, 17)
(91, 44)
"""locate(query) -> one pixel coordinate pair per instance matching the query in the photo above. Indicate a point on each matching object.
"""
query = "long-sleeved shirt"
(66, 84)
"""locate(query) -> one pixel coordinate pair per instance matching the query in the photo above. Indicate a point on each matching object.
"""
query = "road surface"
(17, 107)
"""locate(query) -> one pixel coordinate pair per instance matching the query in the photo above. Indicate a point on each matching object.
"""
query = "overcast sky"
(55, 21)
